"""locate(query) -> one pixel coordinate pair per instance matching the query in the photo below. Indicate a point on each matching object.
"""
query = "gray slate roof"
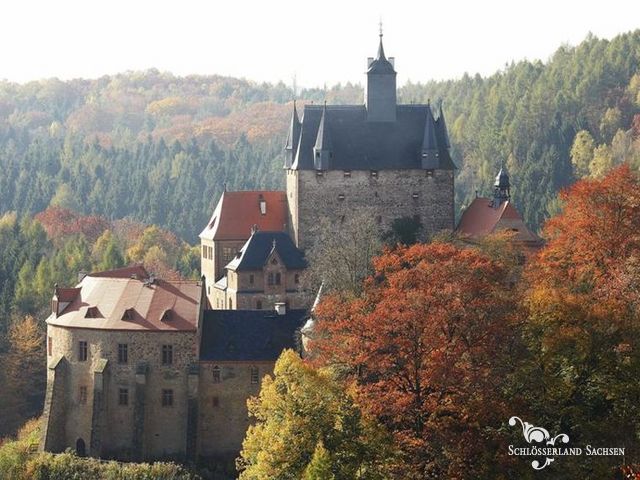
(357, 144)
(254, 254)
(249, 335)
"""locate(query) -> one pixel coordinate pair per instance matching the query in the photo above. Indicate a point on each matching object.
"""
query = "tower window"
(49, 345)
(341, 196)
(216, 374)
(429, 173)
(374, 173)
(415, 195)
(167, 398)
(123, 397)
(82, 351)
(347, 173)
(215, 402)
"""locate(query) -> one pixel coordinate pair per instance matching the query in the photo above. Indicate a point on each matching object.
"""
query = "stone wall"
(385, 194)
(223, 419)
(163, 429)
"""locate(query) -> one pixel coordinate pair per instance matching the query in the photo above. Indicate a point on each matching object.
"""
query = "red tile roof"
(126, 272)
(113, 293)
(66, 294)
(237, 212)
(481, 219)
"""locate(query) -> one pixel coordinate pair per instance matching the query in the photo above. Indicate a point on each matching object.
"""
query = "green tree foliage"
(582, 153)
(307, 425)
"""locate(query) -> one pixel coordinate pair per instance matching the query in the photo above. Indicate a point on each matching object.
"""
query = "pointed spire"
(380, 47)
(443, 133)
(429, 150)
(322, 148)
(293, 138)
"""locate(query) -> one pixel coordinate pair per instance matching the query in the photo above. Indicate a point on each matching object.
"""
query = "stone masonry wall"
(389, 195)
(164, 428)
(223, 413)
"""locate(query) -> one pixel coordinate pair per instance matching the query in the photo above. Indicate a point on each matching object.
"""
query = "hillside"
(159, 148)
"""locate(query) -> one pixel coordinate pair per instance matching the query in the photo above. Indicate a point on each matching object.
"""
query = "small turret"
(322, 150)
(380, 95)
(501, 188)
(291, 147)
(429, 150)
(441, 128)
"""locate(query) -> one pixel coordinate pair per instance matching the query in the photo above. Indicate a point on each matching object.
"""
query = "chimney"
(262, 203)
(281, 308)
(55, 302)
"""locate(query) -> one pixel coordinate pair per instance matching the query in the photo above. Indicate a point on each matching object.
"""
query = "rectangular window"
(259, 305)
(216, 375)
(255, 375)
(167, 354)
(123, 353)
(167, 398)
(123, 396)
(204, 251)
(82, 351)
(271, 279)
(49, 346)
(215, 402)
(278, 278)
(251, 279)
(82, 395)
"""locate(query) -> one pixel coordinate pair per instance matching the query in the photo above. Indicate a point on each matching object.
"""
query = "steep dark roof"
(248, 335)
(254, 254)
(357, 144)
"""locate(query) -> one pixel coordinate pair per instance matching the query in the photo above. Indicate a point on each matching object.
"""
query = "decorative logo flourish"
(535, 434)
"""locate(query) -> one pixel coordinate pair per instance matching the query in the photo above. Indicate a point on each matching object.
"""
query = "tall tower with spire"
(380, 91)
(379, 159)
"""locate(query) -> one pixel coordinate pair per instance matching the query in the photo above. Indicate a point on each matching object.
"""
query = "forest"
(127, 168)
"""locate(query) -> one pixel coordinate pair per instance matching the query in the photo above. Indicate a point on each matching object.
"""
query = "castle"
(145, 368)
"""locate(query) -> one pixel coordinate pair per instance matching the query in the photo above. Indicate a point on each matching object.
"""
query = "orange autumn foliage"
(429, 340)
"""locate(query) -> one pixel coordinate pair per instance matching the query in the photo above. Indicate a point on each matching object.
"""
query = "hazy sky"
(320, 42)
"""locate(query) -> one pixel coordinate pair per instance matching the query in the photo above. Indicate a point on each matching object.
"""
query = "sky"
(320, 43)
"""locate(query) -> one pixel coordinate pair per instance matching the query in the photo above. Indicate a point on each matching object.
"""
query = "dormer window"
(167, 316)
(128, 315)
(92, 312)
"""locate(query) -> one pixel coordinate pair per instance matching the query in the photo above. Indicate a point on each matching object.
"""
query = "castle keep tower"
(378, 159)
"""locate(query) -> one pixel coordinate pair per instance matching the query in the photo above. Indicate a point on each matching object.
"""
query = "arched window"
(230, 304)
(278, 279)
(216, 374)
(81, 449)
